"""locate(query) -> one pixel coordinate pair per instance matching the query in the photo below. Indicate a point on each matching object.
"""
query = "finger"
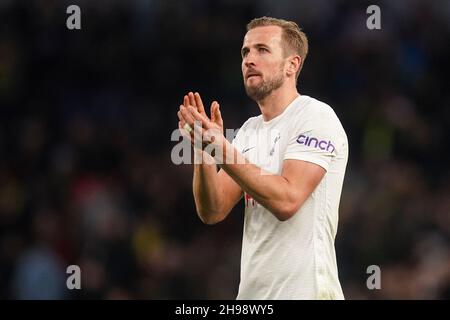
(184, 132)
(180, 117)
(192, 100)
(218, 116)
(213, 111)
(186, 101)
(198, 117)
(199, 103)
(181, 125)
(187, 115)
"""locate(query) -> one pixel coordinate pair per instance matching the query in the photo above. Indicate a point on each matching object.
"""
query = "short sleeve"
(315, 139)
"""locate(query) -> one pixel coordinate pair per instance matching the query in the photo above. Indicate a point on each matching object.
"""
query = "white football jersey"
(294, 259)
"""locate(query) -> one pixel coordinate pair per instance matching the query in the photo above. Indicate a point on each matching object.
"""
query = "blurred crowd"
(86, 176)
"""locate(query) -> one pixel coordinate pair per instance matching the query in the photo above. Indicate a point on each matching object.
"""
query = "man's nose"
(249, 60)
(249, 63)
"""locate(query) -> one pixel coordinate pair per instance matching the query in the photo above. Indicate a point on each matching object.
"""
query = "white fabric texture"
(294, 259)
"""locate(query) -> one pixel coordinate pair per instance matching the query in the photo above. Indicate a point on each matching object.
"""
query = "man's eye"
(263, 50)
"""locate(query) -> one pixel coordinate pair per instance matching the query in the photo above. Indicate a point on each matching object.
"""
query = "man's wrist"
(225, 153)
(202, 157)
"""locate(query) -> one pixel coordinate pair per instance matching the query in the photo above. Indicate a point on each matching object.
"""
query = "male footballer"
(288, 163)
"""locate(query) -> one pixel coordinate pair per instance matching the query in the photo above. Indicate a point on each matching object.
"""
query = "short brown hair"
(293, 36)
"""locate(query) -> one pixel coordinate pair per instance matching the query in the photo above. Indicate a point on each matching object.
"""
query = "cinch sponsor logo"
(316, 143)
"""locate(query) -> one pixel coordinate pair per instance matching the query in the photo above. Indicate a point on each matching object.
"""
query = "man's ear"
(294, 63)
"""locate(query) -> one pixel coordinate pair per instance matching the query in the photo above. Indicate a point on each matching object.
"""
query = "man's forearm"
(271, 191)
(207, 191)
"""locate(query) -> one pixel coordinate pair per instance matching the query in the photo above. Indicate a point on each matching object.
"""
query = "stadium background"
(86, 118)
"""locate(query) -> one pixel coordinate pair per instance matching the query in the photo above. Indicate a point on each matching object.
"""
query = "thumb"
(218, 115)
(213, 111)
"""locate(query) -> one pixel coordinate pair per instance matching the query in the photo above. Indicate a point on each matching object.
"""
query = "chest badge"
(274, 144)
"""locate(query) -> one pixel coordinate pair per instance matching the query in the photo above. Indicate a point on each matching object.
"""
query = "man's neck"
(274, 104)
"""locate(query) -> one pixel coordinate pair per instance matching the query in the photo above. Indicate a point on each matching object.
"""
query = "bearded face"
(263, 61)
(259, 86)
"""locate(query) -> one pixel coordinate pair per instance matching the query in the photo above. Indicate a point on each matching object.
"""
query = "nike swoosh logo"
(247, 149)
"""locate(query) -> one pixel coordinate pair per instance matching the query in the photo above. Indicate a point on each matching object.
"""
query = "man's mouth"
(250, 75)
